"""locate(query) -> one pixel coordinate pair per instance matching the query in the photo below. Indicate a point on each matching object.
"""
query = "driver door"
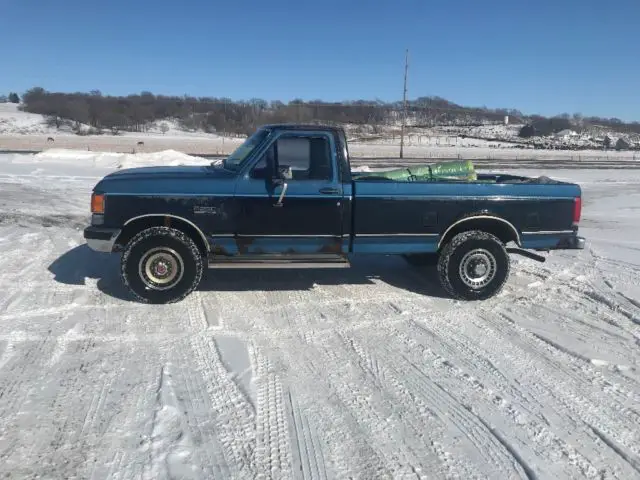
(297, 210)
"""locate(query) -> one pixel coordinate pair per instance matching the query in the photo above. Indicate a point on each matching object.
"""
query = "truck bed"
(482, 178)
(410, 217)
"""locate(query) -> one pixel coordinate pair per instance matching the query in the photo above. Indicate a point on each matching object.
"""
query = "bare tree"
(164, 127)
(53, 121)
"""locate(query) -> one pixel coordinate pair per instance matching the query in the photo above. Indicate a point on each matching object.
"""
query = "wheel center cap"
(480, 269)
(161, 268)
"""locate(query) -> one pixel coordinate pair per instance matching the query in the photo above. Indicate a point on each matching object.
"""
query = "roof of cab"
(303, 126)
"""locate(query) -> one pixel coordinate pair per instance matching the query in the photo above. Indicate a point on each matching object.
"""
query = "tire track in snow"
(563, 359)
(201, 417)
(7, 352)
(441, 411)
(579, 281)
(633, 461)
(123, 454)
(346, 454)
(584, 392)
(530, 474)
(195, 312)
(575, 366)
(232, 419)
(453, 321)
(171, 445)
(494, 397)
(78, 413)
(73, 418)
(360, 397)
(273, 450)
(288, 348)
(551, 388)
(307, 457)
(595, 308)
(20, 364)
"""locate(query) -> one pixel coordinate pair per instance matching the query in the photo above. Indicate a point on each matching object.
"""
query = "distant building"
(566, 134)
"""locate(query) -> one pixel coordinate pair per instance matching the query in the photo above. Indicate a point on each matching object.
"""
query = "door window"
(299, 158)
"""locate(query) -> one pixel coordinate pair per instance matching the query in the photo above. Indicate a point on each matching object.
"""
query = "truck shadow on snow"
(80, 263)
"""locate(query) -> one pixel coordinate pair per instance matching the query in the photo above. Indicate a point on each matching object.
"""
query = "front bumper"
(101, 239)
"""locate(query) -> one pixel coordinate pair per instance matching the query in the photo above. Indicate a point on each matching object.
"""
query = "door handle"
(281, 197)
(329, 191)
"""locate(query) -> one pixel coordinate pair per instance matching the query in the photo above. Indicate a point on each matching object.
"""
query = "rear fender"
(498, 226)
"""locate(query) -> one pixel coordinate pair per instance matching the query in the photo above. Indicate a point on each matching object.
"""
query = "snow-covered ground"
(363, 373)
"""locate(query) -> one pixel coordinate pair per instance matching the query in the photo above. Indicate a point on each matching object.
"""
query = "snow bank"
(118, 160)
(14, 121)
(166, 157)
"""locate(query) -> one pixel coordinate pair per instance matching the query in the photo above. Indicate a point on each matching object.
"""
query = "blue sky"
(541, 56)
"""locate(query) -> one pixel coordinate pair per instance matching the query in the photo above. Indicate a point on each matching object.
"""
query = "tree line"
(541, 126)
(137, 112)
(13, 97)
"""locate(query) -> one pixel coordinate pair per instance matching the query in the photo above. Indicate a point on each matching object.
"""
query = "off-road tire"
(452, 256)
(158, 238)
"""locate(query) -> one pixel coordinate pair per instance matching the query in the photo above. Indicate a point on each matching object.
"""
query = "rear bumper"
(101, 239)
(572, 243)
(565, 240)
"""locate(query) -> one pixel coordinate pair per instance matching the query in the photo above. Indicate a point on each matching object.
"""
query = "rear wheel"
(161, 265)
(474, 265)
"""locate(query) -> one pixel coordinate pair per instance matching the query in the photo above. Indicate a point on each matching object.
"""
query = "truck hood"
(168, 180)
(182, 171)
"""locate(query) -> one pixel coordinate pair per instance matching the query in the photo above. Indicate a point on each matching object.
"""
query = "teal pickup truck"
(287, 198)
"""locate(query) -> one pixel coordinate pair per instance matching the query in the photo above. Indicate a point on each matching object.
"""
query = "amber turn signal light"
(97, 203)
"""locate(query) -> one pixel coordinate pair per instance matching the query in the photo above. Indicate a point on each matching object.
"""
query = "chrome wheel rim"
(161, 268)
(478, 268)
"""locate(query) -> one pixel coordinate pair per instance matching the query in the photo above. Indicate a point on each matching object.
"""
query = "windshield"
(233, 161)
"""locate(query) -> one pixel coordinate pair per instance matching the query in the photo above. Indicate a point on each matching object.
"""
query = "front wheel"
(161, 265)
(474, 265)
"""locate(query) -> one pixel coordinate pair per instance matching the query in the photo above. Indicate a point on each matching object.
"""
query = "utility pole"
(404, 104)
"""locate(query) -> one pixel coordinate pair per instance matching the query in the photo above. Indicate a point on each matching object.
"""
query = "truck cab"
(292, 197)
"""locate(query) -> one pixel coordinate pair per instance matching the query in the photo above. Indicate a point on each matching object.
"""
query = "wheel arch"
(136, 224)
(504, 230)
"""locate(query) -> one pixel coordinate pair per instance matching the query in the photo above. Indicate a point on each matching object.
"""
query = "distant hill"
(94, 113)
